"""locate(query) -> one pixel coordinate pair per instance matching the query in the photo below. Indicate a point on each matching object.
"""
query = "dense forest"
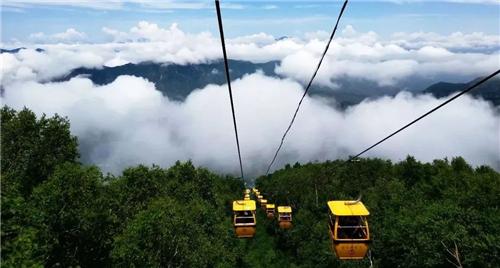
(58, 213)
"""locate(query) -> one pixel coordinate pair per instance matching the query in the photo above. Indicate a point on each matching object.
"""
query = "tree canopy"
(58, 213)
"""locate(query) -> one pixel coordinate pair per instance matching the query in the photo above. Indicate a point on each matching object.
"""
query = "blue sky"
(20, 19)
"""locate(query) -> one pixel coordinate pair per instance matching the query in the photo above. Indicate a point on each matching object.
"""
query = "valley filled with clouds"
(128, 121)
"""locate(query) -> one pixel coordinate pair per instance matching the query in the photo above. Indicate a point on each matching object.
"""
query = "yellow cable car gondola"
(257, 193)
(263, 203)
(244, 218)
(255, 190)
(348, 229)
(247, 196)
(270, 211)
(247, 191)
(259, 198)
(285, 217)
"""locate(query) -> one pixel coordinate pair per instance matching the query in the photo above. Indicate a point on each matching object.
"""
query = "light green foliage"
(21, 250)
(414, 208)
(32, 148)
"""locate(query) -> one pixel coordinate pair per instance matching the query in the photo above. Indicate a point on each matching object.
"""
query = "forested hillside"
(58, 213)
(418, 211)
(489, 91)
(178, 81)
(174, 80)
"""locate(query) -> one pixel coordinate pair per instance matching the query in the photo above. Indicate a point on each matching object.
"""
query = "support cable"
(221, 30)
(308, 86)
(418, 119)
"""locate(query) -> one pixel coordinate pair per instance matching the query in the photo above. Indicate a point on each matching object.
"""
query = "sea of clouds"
(128, 121)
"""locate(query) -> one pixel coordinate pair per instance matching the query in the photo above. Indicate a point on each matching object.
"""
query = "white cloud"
(353, 54)
(307, 6)
(93, 4)
(115, 35)
(258, 39)
(454, 1)
(384, 72)
(174, 4)
(69, 36)
(20, 5)
(384, 64)
(47, 65)
(169, 4)
(13, 9)
(365, 55)
(348, 31)
(12, 42)
(457, 40)
(276, 21)
(128, 120)
(231, 6)
(270, 7)
(320, 35)
(146, 5)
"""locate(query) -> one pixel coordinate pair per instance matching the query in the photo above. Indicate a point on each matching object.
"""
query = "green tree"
(171, 234)
(133, 191)
(415, 208)
(72, 218)
(32, 148)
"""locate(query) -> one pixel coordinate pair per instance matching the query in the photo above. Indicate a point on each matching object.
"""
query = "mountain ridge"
(178, 81)
(174, 81)
(16, 50)
(489, 91)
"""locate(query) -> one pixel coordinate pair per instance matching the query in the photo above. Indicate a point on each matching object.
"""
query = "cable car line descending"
(418, 119)
(221, 31)
(348, 227)
(308, 86)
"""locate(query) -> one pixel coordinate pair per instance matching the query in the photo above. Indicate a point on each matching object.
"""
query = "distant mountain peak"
(282, 38)
(16, 50)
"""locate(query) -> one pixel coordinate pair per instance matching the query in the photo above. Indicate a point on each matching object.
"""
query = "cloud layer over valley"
(129, 122)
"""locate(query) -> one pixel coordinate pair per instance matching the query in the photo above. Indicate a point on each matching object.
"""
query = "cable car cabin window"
(351, 227)
(285, 217)
(244, 217)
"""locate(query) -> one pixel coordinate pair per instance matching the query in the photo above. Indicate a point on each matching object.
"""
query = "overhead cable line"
(221, 30)
(418, 119)
(308, 86)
